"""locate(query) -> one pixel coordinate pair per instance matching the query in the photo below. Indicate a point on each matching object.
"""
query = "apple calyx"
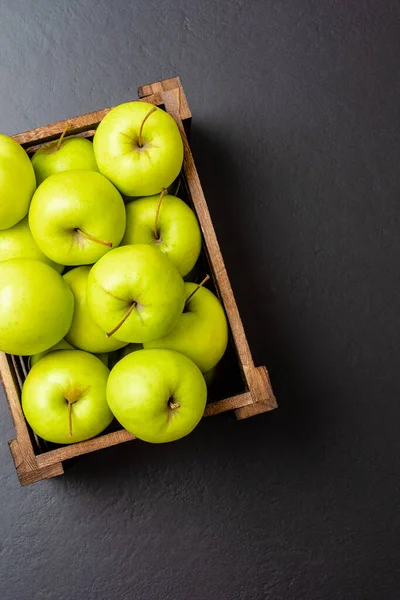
(151, 111)
(206, 278)
(156, 232)
(122, 321)
(67, 126)
(90, 237)
(172, 404)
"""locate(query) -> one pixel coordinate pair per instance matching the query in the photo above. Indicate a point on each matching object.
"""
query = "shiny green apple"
(64, 397)
(18, 242)
(134, 293)
(84, 333)
(17, 182)
(158, 395)
(76, 217)
(73, 153)
(201, 332)
(167, 223)
(139, 148)
(36, 306)
(62, 345)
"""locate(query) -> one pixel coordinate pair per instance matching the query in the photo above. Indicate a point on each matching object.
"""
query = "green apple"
(62, 345)
(71, 154)
(201, 332)
(139, 148)
(167, 223)
(64, 397)
(158, 395)
(134, 293)
(17, 182)
(36, 306)
(84, 333)
(76, 217)
(18, 242)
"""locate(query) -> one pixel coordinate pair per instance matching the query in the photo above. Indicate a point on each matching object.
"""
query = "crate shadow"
(266, 318)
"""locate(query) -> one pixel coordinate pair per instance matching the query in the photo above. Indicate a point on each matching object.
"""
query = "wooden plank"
(256, 384)
(241, 400)
(97, 443)
(78, 124)
(11, 392)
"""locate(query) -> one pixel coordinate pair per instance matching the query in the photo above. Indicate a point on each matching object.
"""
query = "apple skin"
(84, 333)
(142, 384)
(18, 242)
(137, 278)
(62, 345)
(179, 235)
(70, 200)
(134, 170)
(36, 306)
(75, 153)
(173, 189)
(17, 182)
(59, 377)
(201, 332)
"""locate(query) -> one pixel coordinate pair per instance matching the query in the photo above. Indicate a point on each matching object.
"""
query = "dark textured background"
(296, 133)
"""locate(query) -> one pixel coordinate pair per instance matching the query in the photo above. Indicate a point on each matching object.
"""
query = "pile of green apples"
(123, 333)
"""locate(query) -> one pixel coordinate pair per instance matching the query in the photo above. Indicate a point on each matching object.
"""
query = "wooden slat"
(241, 400)
(257, 385)
(98, 443)
(79, 124)
(11, 391)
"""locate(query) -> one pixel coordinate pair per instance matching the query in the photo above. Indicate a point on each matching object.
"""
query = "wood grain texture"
(31, 460)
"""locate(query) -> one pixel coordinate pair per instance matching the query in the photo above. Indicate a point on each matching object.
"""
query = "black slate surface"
(296, 133)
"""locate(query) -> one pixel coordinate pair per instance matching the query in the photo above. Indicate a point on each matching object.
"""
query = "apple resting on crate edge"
(158, 395)
(139, 148)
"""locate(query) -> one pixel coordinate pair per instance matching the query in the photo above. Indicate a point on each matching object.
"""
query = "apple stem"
(173, 405)
(162, 194)
(122, 321)
(92, 238)
(206, 278)
(69, 418)
(140, 143)
(62, 135)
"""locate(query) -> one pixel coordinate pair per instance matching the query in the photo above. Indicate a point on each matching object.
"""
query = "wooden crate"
(32, 458)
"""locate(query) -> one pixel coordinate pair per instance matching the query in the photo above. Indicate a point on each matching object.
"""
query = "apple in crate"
(36, 306)
(18, 242)
(64, 397)
(17, 182)
(84, 333)
(139, 148)
(66, 154)
(201, 332)
(167, 223)
(76, 217)
(134, 293)
(158, 395)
